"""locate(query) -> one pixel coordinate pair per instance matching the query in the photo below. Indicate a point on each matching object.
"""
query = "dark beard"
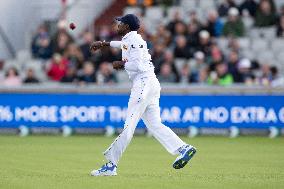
(119, 32)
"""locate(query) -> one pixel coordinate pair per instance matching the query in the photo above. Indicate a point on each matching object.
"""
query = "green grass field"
(56, 162)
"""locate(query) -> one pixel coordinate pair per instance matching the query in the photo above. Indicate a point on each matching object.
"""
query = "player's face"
(122, 28)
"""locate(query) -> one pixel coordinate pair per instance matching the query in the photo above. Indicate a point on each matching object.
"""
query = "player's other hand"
(118, 65)
(96, 45)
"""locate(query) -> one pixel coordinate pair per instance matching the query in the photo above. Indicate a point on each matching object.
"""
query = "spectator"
(189, 76)
(162, 36)
(41, 46)
(280, 27)
(221, 76)
(88, 38)
(105, 33)
(105, 74)
(193, 18)
(275, 78)
(214, 24)
(250, 6)
(180, 29)
(265, 16)
(57, 68)
(244, 69)
(233, 61)
(61, 41)
(192, 38)
(61, 38)
(74, 56)
(225, 6)
(166, 75)
(198, 62)
(181, 50)
(115, 54)
(204, 43)
(266, 76)
(170, 59)
(215, 56)
(281, 13)
(30, 77)
(158, 56)
(274, 73)
(185, 74)
(234, 26)
(70, 76)
(88, 75)
(12, 78)
(202, 76)
(172, 24)
(234, 45)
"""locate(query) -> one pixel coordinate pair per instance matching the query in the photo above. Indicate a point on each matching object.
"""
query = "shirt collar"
(129, 33)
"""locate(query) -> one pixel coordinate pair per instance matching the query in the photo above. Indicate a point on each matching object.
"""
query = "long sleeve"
(115, 44)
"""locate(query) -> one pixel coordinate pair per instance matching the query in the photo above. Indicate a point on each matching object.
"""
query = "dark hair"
(274, 70)
(12, 68)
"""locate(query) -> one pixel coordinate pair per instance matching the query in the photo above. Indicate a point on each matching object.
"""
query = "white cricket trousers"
(144, 103)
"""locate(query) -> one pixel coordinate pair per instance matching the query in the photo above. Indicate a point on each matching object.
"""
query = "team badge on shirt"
(124, 47)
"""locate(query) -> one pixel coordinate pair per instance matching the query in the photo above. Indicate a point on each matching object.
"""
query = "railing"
(125, 88)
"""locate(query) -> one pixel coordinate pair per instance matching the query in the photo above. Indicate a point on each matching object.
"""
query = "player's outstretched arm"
(99, 44)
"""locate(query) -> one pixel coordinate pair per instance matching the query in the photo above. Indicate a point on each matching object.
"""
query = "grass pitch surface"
(51, 162)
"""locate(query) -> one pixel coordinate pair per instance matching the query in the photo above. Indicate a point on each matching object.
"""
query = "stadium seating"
(207, 4)
(155, 14)
(132, 10)
(266, 57)
(277, 45)
(244, 42)
(172, 10)
(258, 44)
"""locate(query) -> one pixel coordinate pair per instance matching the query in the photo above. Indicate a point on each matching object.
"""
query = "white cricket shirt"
(135, 53)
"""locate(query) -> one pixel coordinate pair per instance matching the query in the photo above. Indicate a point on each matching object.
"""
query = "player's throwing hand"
(118, 65)
(96, 45)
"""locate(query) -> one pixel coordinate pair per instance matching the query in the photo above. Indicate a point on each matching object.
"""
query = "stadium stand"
(176, 26)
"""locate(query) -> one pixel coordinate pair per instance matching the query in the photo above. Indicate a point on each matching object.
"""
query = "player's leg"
(166, 136)
(134, 113)
(136, 107)
(114, 152)
(162, 133)
(138, 101)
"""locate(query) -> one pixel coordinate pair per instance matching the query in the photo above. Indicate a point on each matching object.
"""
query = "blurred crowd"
(69, 61)
(182, 52)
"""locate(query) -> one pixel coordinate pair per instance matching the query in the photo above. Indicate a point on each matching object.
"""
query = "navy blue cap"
(131, 20)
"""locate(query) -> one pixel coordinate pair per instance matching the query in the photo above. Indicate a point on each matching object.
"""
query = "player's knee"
(156, 125)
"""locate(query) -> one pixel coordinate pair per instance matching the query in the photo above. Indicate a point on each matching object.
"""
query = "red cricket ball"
(72, 26)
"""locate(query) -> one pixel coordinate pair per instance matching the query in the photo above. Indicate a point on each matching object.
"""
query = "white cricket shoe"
(109, 169)
(186, 153)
